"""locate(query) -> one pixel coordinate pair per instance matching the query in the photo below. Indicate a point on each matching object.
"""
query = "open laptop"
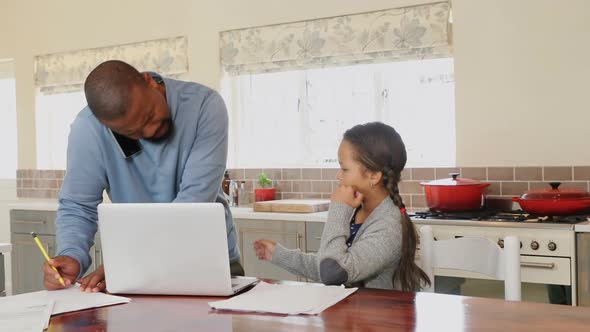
(167, 249)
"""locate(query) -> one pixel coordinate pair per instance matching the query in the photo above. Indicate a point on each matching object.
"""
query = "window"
(8, 121)
(54, 115)
(297, 118)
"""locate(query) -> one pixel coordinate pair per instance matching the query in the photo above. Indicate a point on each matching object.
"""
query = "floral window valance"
(390, 35)
(65, 72)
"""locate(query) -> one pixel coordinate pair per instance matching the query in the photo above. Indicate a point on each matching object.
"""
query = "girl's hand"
(347, 195)
(264, 249)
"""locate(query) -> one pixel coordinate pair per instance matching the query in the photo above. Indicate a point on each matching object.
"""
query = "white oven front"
(547, 268)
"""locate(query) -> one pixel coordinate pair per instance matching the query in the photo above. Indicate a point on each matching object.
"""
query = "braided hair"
(381, 149)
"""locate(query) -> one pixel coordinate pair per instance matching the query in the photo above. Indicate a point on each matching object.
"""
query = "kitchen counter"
(5, 247)
(248, 213)
(365, 310)
(237, 212)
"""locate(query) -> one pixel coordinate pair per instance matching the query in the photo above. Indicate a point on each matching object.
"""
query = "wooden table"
(366, 310)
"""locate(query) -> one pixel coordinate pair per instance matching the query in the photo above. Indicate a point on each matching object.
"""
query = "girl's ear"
(376, 177)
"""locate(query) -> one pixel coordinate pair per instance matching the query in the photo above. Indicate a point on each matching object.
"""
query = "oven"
(548, 259)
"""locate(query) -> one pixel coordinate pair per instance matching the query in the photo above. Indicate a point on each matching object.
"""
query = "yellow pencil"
(61, 280)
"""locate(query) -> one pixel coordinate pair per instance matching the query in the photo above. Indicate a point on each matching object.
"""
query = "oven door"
(544, 279)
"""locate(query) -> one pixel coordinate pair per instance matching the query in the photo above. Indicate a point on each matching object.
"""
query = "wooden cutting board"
(293, 205)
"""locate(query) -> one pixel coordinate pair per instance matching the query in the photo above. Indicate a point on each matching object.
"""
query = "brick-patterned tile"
(311, 195)
(59, 174)
(285, 186)
(557, 173)
(582, 173)
(311, 173)
(291, 196)
(410, 187)
(274, 174)
(45, 184)
(422, 174)
(501, 173)
(327, 196)
(301, 186)
(514, 188)
(329, 173)
(406, 174)
(418, 201)
(443, 172)
(539, 185)
(495, 188)
(47, 174)
(580, 185)
(252, 173)
(407, 199)
(528, 173)
(475, 173)
(27, 183)
(20, 173)
(238, 173)
(321, 186)
(291, 173)
(249, 185)
(335, 185)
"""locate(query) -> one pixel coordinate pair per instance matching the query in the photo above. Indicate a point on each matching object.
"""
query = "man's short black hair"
(108, 87)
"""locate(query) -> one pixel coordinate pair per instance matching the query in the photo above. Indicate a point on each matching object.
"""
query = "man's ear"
(149, 80)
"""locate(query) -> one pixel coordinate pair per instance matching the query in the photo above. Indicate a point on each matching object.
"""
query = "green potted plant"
(266, 192)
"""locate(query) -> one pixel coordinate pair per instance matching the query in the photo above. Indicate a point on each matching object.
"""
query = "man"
(142, 138)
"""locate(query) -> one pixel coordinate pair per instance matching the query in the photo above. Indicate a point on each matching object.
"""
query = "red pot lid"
(454, 180)
(556, 194)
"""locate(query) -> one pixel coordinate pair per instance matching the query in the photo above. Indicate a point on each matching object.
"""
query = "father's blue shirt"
(186, 167)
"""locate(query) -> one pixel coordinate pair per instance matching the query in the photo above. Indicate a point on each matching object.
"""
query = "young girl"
(368, 240)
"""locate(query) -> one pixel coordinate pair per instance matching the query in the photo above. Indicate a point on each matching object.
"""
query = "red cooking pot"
(554, 201)
(454, 194)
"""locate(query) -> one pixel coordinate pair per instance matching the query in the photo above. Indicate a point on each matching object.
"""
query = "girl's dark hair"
(380, 148)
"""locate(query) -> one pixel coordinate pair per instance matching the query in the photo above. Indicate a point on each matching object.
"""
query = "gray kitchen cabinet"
(27, 259)
(291, 234)
(2, 281)
(27, 262)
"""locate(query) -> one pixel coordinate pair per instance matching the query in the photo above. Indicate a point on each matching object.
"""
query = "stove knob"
(534, 245)
(501, 243)
(552, 246)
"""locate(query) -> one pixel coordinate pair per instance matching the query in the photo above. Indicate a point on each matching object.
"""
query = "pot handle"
(516, 199)
(554, 185)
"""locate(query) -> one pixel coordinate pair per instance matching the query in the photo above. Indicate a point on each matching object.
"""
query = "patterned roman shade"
(67, 71)
(389, 35)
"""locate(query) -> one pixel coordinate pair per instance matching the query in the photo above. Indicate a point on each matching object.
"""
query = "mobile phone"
(128, 146)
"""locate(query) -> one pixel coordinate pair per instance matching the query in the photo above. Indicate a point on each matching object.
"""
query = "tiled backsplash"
(319, 182)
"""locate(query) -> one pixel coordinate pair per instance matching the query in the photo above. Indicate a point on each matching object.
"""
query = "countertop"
(237, 212)
(5, 247)
(248, 213)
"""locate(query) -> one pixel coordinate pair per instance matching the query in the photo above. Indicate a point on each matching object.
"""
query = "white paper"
(20, 314)
(71, 299)
(310, 299)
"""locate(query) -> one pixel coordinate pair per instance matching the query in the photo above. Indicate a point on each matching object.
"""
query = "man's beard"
(166, 135)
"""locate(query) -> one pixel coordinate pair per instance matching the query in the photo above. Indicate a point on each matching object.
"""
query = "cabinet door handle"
(30, 222)
(299, 237)
(317, 238)
(548, 266)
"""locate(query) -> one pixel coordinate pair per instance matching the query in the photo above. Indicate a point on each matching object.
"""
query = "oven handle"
(548, 266)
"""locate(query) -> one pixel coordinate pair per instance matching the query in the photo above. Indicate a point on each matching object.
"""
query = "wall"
(521, 70)
(520, 66)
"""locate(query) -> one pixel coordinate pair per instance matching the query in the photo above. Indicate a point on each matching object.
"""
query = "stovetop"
(517, 216)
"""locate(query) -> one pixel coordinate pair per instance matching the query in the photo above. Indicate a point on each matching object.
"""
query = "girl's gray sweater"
(371, 259)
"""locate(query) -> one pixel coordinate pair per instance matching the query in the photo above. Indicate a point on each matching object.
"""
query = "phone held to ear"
(128, 146)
